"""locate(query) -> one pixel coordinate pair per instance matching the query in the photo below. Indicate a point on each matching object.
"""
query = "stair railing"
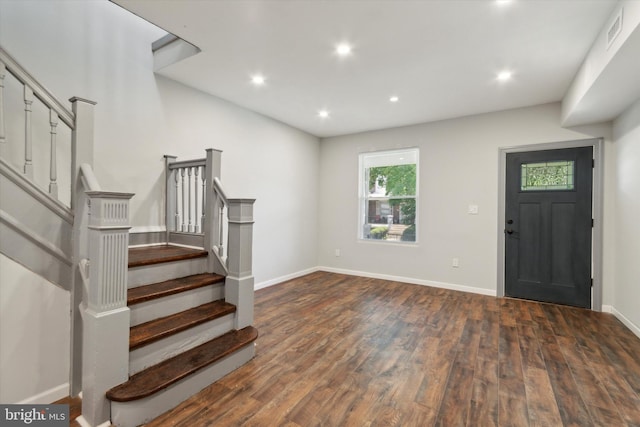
(99, 243)
(196, 205)
(32, 90)
(185, 200)
(194, 192)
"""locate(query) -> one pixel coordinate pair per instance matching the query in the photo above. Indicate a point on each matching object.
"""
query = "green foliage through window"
(398, 180)
(389, 195)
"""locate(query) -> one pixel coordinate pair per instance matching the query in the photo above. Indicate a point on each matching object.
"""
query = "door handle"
(508, 231)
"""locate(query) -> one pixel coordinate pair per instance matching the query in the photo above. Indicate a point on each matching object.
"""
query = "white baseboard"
(443, 285)
(628, 323)
(47, 396)
(148, 229)
(607, 308)
(281, 279)
(84, 423)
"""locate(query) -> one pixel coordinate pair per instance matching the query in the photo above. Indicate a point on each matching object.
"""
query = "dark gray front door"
(548, 226)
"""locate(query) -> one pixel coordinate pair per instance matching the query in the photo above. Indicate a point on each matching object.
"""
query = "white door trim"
(597, 209)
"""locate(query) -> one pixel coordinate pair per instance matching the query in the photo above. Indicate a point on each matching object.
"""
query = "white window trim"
(362, 194)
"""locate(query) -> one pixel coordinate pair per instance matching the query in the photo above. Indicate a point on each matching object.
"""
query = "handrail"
(187, 164)
(38, 90)
(217, 186)
(89, 180)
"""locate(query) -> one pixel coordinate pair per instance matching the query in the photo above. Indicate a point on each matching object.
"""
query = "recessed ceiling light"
(502, 2)
(504, 75)
(323, 114)
(258, 80)
(394, 99)
(343, 49)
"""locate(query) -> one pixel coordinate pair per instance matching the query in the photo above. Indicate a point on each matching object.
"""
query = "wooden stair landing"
(170, 371)
(149, 255)
(170, 287)
(160, 328)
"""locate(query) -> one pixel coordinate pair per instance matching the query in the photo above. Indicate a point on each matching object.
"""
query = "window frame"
(364, 197)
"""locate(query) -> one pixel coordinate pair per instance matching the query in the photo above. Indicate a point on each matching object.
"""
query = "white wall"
(34, 356)
(458, 167)
(626, 133)
(577, 104)
(97, 50)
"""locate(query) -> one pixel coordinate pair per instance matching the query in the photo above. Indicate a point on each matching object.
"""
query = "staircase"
(150, 326)
(182, 335)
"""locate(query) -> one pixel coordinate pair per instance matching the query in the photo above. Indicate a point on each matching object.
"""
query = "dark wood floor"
(75, 409)
(337, 350)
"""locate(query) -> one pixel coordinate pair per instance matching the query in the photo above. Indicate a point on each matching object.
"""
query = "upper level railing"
(32, 91)
(196, 205)
(187, 192)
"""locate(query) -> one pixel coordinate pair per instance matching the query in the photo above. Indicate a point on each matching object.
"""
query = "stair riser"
(163, 349)
(134, 413)
(169, 270)
(176, 303)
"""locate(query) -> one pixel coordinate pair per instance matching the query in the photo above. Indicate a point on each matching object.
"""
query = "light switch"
(473, 210)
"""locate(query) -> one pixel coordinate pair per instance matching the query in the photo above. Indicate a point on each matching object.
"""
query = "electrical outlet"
(455, 263)
(337, 252)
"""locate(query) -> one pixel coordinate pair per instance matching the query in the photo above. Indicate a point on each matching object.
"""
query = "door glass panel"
(545, 176)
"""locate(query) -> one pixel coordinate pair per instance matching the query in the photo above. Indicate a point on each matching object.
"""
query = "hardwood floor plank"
(543, 410)
(626, 400)
(570, 404)
(592, 391)
(338, 350)
(530, 348)
(512, 397)
(483, 407)
(454, 408)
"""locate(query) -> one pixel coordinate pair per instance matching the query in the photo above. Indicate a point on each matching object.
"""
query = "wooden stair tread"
(162, 375)
(154, 330)
(149, 255)
(170, 287)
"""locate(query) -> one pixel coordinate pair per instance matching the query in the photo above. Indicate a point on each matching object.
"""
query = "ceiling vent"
(614, 29)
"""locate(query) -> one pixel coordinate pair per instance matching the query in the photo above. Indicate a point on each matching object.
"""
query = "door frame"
(597, 209)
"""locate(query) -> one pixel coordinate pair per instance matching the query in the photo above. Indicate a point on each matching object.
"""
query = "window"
(388, 195)
(557, 175)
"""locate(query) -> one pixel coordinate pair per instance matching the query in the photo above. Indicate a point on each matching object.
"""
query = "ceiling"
(439, 57)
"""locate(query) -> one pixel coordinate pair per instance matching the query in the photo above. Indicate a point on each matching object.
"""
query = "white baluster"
(28, 156)
(184, 210)
(53, 172)
(176, 174)
(221, 228)
(203, 199)
(196, 172)
(190, 226)
(2, 74)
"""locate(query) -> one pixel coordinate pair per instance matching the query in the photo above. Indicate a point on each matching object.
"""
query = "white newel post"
(81, 141)
(171, 219)
(105, 313)
(81, 153)
(211, 220)
(239, 282)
